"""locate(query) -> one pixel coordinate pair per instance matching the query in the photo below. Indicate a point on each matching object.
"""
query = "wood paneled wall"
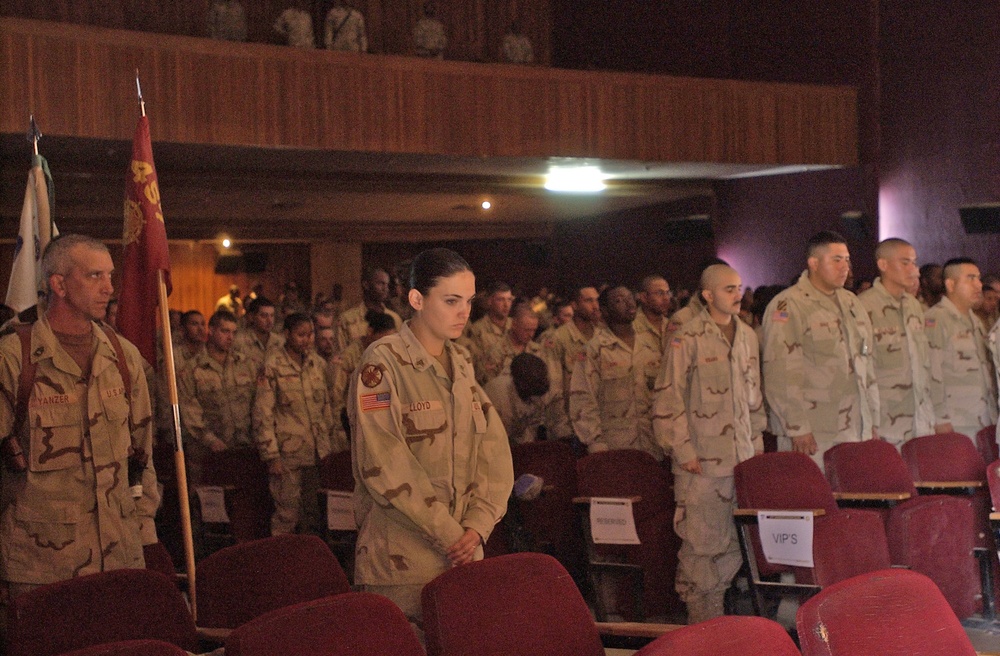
(475, 27)
(80, 82)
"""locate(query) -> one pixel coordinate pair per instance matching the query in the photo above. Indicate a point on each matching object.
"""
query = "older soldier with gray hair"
(901, 349)
(819, 373)
(709, 415)
(76, 407)
(962, 382)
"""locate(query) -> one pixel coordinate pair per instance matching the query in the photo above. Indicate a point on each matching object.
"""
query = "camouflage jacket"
(708, 404)
(962, 382)
(902, 364)
(430, 456)
(819, 370)
(71, 513)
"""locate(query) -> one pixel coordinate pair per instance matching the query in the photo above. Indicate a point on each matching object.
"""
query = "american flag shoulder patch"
(675, 342)
(930, 323)
(377, 401)
(779, 316)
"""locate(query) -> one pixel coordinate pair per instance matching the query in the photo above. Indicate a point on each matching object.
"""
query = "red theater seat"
(239, 583)
(845, 542)
(892, 612)
(632, 473)
(351, 624)
(123, 604)
(722, 636)
(933, 535)
(130, 648)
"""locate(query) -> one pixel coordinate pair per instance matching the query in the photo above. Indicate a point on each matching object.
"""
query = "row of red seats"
(522, 603)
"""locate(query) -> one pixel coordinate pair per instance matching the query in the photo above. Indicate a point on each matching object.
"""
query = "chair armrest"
(749, 515)
(948, 487)
(871, 496)
(635, 629)
(869, 499)
(585, 501)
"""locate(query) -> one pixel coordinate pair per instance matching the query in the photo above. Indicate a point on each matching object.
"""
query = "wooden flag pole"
(170, 373)
(182, 486)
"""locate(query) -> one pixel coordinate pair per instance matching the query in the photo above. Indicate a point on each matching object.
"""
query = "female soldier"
(431, 458)
(293, 424)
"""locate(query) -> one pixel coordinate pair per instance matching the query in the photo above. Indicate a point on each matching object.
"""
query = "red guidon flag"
(145, 241)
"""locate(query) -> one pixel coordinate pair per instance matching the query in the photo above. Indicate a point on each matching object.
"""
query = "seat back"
(729, 634)
(892, 612)
(625, 473)
(241, 582)
(351, 624)
(986, 444)
(993, 478)
(869, 466)
(522, 603)
(158, 559)
(336, 473)
(550, 523)
(123, 604)
(249, 505)
(946, 457)
(130, 648)
(784, 480)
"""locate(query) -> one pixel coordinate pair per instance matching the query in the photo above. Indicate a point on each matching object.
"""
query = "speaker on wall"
(980, 219)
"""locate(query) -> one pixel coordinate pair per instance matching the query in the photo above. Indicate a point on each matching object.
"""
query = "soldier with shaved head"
(962, 382)
(819, 374)
(709, 415)
(900, 346)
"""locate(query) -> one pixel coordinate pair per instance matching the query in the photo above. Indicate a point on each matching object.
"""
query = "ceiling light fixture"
(487, 204)
(575, 179)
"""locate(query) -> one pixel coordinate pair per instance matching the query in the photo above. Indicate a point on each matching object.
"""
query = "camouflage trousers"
(295, 501)
(709, 556)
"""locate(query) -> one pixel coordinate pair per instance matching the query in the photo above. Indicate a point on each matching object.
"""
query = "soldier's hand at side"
(692, 466)
(946, 427)
(462, 551)
(217, 446)
(276, 468)
(874, 433)
(804, 444)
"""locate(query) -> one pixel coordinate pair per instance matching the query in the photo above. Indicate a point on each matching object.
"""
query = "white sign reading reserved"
(339, 511)
(787, 537)
(612, 522)
(213, 504)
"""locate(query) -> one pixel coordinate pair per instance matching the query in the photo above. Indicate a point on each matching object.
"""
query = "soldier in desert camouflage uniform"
(431, 458)
(70, 511)
(819, 374)
(611, 388)
(519, 339)
(216, 393)
(962, 381)
(901, 349)
(709, 415)
(654, 305)
(480, 336)
(293, 425)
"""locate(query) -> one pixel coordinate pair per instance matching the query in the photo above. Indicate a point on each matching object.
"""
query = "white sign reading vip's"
(787, 537)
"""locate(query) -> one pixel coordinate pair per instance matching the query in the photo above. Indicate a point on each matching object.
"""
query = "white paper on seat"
(787, 537)
(213, 504)
(339, 511)
(612, 522)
